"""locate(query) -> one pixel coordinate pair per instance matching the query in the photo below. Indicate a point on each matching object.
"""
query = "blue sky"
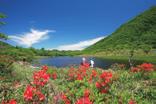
(66, 24)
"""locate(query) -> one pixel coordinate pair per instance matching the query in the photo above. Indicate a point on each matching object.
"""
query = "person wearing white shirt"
(91, 63)
(83, 59)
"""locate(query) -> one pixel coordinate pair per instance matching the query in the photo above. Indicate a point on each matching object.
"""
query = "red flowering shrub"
(131, 101)
(98, 85)
(54, 75)
(12, 101)
(94, 73)
(84, 100)
(40, 78)
(45, 68)
(83, 72)
(85, 65)
(65, 99)
(147, 67)
(33, 92)
(77, 74)
(28, 93)
(105, 79)
(71, 74)
(135, 69)
(86, 93)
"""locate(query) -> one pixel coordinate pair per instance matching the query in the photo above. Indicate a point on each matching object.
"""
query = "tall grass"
(22, 71)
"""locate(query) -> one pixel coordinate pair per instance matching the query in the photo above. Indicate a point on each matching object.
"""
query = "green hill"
(5, 45)
(139, 32)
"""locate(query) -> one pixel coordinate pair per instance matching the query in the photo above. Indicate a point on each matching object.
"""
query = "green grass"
(151, 59)
(22, 72)
(39, 57)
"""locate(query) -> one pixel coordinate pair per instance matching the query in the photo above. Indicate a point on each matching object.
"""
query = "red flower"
(40, 95)
(98, 85)
(54, 75)
(65, 99)
(41, 77)
(94, 73)
(12, 101)
(103, 85)
(85, 65)
(135, 69)
(105, 75)
(86, 93)
(84, 100)
(147, 67)
(131, 102)
(79, 77)
(45, 68)
(104, 91)
(28, 93)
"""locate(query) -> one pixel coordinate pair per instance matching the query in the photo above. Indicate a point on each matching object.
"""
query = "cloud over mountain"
(80, 45)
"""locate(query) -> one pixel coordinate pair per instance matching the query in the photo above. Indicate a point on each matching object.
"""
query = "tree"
(2, 36)
(146, 48)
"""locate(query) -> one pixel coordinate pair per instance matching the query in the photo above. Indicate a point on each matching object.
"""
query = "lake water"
(65, 61)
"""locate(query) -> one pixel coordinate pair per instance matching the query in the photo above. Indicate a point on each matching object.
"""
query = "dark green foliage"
(2, 36)
(43, 52)
(140, 31)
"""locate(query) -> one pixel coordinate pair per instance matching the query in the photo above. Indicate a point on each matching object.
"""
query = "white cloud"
(32, 37)
(80, 45)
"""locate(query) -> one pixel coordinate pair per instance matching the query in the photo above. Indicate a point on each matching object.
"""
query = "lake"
(66, 61)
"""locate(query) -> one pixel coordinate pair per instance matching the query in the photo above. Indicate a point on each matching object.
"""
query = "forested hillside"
(137, 33)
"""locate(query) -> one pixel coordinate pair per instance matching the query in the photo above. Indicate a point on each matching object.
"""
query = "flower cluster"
(40, 78)
(145, 67)
(12, 101)
(31, 92)
(81, 73)
(77, 74)
(131, 101)
(65, 99)
(85, 65)
(94, 74)
(85, 99)
(103, 84)
(54, 75)
(135, 69)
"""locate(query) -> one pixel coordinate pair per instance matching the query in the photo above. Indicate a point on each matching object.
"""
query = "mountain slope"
(137, 32)
(4, 45)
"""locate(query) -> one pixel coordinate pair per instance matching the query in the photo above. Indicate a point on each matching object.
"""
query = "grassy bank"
(123, 55)
(139, 58)
(151, 59)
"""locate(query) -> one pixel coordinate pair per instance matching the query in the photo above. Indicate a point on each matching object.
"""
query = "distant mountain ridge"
(139, 31)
